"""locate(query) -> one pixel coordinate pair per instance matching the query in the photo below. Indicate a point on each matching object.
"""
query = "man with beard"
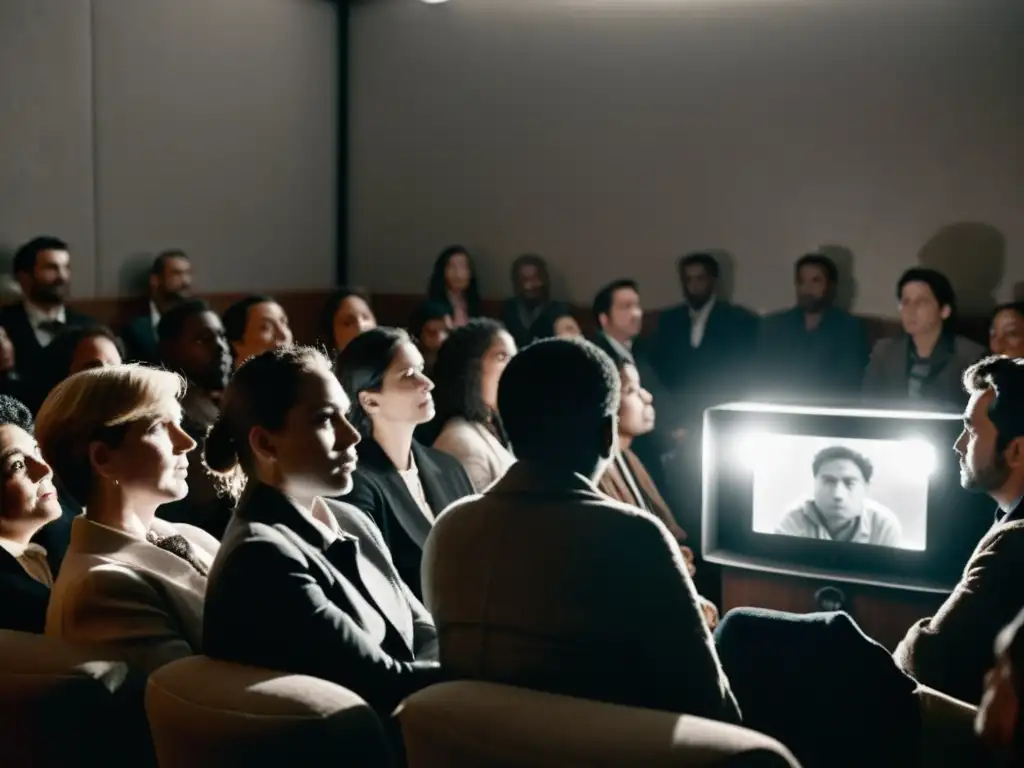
(193, 343)
(170, 282)
(531, 311)
(42, 268)
(952, 650)
(814, 349)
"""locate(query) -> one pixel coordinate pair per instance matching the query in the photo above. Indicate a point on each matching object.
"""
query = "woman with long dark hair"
(468, 368)
(453, 283)
(346, 314)
(401, 484)
(303, 584)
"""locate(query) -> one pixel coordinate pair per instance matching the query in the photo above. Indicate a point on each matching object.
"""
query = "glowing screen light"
(919, 456)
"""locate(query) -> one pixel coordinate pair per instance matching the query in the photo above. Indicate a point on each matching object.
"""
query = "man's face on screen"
(839, 489)
(982, 468)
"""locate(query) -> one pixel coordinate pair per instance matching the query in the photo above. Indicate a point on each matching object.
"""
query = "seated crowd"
(469, 498)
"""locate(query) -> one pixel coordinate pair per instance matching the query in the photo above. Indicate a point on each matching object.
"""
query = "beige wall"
(613, 136)
(129, 126)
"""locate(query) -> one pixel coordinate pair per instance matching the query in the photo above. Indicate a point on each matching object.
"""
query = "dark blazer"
(952, 650)
(23, 600)
(283, 595)
(546, 583)
(888, 371)
(542, 325)
(715, 372)
(140, 341)
(27, 350)
(379, 491)
(826, 362)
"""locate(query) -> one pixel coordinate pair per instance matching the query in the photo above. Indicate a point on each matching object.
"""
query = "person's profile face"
(352, 317)
(982, 468)
(457, 273)
(27, 491)
(493, 364)
(998, 715)
(435, 333)
(626, 316)
(51, 277)
(566, 327)
(1006, 334)
(176, 280)
(404, 396)
(530, 284)
(812, 288)
(920, 311)
(266, 328)
(94, 352)
(315, 450)
(150, 465)
(698, 285)
(636, 408)
(839, 489)
(202, 352)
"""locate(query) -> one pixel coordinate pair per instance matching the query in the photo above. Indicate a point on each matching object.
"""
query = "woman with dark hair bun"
(304, 584)
(401, 484)
(453, 283)
(468, 368)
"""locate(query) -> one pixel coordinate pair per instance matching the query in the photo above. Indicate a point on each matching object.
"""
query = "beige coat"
(483, 457)
(129, 598)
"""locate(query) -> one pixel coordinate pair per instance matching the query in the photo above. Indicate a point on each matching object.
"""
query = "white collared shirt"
(154, 316)
(699, 322)
(37, 315)
(411, 478)
(618, 346)
(32, 558)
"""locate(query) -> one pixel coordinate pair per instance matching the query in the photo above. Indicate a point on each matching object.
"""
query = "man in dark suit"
(170, 282)
(815, 349)
(28, 501)
(42, 268)
(952, 650)
(530, 313)
(546, 583)
(703, 349)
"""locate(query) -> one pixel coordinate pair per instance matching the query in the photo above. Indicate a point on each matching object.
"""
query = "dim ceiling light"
(434, 2)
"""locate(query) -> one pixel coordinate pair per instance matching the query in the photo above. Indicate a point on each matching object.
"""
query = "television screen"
(842, 489)
(856, 494)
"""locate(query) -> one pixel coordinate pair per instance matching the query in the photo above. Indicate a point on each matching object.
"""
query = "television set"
(847, 494)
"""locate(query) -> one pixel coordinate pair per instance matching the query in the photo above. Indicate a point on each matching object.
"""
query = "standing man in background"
(529, 313)
(170, 282)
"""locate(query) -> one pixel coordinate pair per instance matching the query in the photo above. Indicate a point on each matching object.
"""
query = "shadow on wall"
(973, 256)
(133, 275)
(846, 290)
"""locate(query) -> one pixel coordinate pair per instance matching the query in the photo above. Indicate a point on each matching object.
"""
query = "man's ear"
(602, 320)
(945, 312)
(261, 443)
(154, 283)
(1014, 453)
(609, 436)
(24, 279)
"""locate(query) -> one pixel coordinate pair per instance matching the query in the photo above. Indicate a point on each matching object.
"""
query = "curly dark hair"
(436, 290)
(16, 413)
(457, 374)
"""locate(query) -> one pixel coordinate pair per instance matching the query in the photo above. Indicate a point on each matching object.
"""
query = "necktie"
(177, 545)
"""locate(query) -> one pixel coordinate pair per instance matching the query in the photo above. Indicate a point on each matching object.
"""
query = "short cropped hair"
(529, 260)
(939, 284)
(172, 322)
(160, 262)
(15, 413)
(555, 394)
(606, 296)
(1005, 377)
(706, 260)
(818, 260)
(98, 404)
(25, 257)
(839, 452)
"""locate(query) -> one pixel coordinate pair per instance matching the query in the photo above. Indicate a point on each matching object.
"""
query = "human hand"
(688, 559)
(710, 612)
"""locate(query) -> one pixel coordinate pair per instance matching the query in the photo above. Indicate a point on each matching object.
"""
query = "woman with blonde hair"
(130, 583)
